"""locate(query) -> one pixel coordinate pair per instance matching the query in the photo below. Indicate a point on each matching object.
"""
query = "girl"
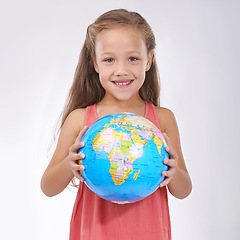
(116, 73)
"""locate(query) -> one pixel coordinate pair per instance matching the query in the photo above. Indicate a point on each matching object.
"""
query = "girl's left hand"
(172, 163)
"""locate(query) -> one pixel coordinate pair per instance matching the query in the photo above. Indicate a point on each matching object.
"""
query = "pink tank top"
(94, 218)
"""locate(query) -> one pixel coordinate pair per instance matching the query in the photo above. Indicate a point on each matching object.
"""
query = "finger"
(77, 169)
(76, 146)
(171, 152)
(76, 165)
(80, 135)
(169, 147)
(165, 182)
(78, 175)
(170, 162)
(81, 167)
(167, 140)
(169, 173)
(74, 157)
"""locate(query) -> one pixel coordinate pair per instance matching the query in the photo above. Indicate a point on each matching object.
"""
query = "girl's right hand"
(73, 156)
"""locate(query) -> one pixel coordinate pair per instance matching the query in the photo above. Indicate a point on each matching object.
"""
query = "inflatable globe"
(124, 156)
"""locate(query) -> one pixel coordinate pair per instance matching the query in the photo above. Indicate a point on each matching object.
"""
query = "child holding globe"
(116, 73)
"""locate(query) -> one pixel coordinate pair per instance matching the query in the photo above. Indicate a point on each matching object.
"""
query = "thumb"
(81, 134)
(167, 140)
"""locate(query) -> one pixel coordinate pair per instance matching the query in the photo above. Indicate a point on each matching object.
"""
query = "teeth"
(123, 83)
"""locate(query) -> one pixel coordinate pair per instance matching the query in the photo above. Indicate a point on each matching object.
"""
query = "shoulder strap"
(91, 115)
(151, 114)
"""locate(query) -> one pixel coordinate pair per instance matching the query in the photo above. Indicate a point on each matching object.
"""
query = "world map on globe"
(124, 156)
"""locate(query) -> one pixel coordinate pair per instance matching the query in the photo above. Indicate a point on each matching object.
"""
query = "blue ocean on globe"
(124, 156)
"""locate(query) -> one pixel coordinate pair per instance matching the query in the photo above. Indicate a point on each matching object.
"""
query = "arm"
(63, 167)
(177, 178)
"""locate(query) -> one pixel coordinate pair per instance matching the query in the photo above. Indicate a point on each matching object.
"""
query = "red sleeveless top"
(94, 218)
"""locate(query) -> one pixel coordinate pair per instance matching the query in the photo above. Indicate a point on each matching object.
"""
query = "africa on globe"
(124, 156)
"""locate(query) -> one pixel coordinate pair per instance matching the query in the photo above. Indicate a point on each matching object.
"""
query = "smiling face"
(121, 60)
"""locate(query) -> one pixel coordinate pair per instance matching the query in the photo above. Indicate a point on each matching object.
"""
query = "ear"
(95, 64)
(150, 59)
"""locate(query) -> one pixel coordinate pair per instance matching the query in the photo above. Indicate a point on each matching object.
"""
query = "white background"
(198, 57)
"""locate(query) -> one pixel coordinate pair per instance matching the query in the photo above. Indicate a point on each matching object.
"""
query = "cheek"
(140, 70)
(106, 70)
(103, 73)
(142, 74)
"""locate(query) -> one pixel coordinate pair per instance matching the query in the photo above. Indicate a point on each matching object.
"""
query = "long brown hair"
(86, 88)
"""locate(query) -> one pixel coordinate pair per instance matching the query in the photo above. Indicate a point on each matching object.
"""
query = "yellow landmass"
(130, 128)
(127, 121)
(117, 181)
(117, 135)
(131, 158)
(98, 140)
(158, 143)
(136, 175)
(137, 139)
(121, 180)
(111, 122)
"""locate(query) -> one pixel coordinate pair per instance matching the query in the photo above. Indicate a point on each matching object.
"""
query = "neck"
(111, 107)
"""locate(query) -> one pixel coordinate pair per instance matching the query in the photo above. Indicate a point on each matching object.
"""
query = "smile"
(123, 83)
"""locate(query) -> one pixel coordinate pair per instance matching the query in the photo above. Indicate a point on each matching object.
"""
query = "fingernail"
(82, 167)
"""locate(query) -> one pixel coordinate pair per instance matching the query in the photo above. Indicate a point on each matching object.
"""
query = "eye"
(108, 60)
(132, 59)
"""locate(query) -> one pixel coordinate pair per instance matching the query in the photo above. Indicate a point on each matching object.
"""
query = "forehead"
(123, 37)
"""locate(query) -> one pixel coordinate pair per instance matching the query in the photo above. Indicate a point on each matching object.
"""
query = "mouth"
(123, 83)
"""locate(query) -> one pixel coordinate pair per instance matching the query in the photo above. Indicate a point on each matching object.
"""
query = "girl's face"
(121, 59)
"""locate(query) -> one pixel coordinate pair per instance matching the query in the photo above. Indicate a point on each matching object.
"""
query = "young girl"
(116, 73)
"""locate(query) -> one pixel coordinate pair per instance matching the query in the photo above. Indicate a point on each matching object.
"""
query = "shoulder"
(76, 115)
(68, 134)
(75, 120)
(166, 118)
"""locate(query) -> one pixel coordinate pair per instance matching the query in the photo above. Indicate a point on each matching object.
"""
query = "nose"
(121, 69)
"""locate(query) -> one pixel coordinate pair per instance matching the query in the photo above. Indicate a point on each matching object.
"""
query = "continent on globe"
(129, 150)
(122, 149)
